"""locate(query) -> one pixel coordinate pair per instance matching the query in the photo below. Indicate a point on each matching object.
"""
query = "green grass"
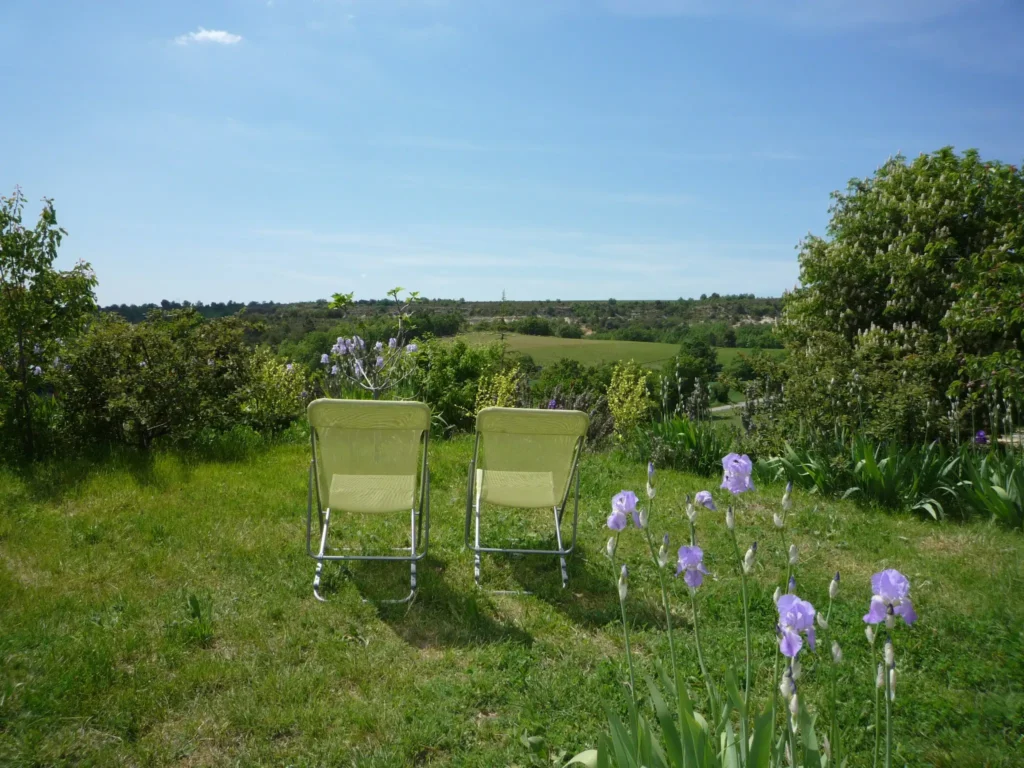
(160, 613)
(550, 349)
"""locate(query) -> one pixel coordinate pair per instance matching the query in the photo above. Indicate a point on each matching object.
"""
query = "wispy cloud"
(203, 35)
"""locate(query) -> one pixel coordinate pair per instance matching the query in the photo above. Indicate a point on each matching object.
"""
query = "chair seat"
(525, 490)
(372, 493)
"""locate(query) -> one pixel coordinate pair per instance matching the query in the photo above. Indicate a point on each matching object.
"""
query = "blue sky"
(253, 150)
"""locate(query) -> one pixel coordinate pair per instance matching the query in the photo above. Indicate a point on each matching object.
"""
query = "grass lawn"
(550, 349)
(105, 662)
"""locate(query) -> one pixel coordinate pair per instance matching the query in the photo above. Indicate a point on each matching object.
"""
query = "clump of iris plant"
(796, 628)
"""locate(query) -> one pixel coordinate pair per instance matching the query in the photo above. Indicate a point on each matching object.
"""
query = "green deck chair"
(525, 458)
(366, 460)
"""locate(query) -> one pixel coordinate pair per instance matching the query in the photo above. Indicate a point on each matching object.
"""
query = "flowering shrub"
(628, 398)
(505, 389)
(728, 733)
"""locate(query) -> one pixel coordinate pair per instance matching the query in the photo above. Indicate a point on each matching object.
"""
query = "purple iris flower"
(392, 343)
(411, 348)
(981, 438)
(891, 592)
(552, 403)
(737, 470)
(795, 616)
(691, 565)
(342, 348)
(325, 359)
(704, 499)
(623, 503)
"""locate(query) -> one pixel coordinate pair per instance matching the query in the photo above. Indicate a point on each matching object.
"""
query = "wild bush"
(629, 398)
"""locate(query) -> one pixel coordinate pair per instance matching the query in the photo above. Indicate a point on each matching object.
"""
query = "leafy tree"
(914, 295)
(40, 309)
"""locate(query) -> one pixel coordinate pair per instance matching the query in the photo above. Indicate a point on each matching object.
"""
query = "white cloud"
(203, 35)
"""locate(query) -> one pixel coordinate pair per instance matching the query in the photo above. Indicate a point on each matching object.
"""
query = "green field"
(549, 349)
(105, 662)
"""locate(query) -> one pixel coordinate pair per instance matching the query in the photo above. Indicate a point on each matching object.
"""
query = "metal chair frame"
(473, 504)
(419, 527)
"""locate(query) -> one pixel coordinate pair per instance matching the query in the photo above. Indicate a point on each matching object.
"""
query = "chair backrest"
(367, 453)
(525, 455)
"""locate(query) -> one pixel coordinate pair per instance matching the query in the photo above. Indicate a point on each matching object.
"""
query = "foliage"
(914, 296)
(504, 389)
(273, 394)
(170, 377)
(570, 331)
(679, 443)
(994, 487)
(696, 363)
(447, 377)
(40, 308)
(570, 377)
(932, 479)
(628, 397)
(533, 326)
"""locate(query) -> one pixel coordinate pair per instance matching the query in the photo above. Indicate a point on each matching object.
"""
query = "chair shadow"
(441, 615)
(591, 599)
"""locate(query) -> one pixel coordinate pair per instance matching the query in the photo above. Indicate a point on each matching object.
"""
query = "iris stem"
(668, 622)
(749, 658)
(888, 720)
(775, 674)
(625, 634)
(703, 669)
(878, 723)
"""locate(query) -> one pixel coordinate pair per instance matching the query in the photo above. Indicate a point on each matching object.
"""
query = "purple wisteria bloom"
(379, 346)
(737, 470)
(411, 348)
(335, 370)
(691, 565)
(623, 503)
(981, 438)
(704, 499)
(795, 616)
(392, 343)
(891, 593)
(325, 359)
(380, 361)
(342, 348)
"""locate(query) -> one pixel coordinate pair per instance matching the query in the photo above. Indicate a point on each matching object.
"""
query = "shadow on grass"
(591, 599)
(442, 615)
(51, 481)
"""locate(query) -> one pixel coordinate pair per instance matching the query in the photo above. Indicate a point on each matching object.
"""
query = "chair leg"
(476, 555)
(558, 538)
(320, 563)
